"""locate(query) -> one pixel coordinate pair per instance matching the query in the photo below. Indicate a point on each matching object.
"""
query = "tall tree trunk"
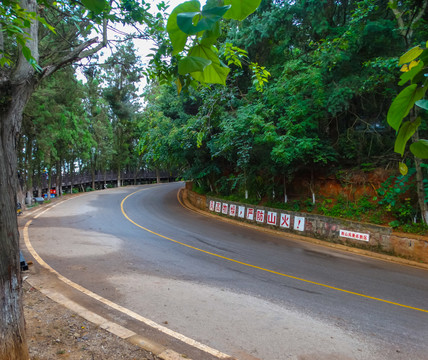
(58, 177)
(423, 206)
(49, 184)
(420, 190)
(285, 190)
(17, 83)
(158, 176)
(12, 326)
(39, 182)
(71, 176)
(29, 171)
(118, 178)
(93, 177)
(15, 91)
(59, 187)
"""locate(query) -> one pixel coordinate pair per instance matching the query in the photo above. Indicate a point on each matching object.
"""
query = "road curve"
(247, 293)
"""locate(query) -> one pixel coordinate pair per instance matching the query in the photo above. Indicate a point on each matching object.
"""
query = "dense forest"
(307, 98)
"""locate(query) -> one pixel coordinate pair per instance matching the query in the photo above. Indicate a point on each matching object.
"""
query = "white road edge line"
(113, 305)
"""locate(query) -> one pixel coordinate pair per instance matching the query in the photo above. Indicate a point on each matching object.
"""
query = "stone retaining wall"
(362, 235)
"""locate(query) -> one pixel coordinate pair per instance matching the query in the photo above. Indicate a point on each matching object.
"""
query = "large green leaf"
(409, 75)
(424, 56)
(185, 23)
(422, 103)
(412, 54)
(177, 36)
(420, 149)
(402, 104)
(406, 131)
(217, 11)
(241, 8)
(97, 6)
(191, 64)
(210, 37)
(204, 20)
(215, 73)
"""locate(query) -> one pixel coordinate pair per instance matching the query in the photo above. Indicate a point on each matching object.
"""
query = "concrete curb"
(289, 236)
(112, 327)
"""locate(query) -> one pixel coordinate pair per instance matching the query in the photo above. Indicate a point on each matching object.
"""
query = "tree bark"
(93, 175)
(29, 171)
(15, 89)
(57, 177)
(423, 206)
(406, 30)
(17, 83)
(49, 184)
(12, 326)
(71, 175)
(59, 187)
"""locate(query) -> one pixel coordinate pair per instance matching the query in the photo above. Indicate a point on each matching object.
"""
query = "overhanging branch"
(80, 52)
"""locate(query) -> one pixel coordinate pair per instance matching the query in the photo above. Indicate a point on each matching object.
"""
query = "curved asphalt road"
(240, 310)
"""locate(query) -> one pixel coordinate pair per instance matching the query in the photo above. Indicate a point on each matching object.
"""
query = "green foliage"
(415, 228)
(121, 74)
(177, 36)
(260, 76)
(332, 77)
(363, 209)
(406, 131)
(201, 60)
(403, 103)
(215, 72)
(415, 71)
(395, 194)
(15, 22)
(240, 9)
(96, 6)
(55, 126)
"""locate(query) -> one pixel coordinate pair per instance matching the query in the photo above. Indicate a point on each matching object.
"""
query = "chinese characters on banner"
(260, 216)
(225, 208)
(250, 214)
(284, 221)
(354, 235)
(232, 210)
(271, 218)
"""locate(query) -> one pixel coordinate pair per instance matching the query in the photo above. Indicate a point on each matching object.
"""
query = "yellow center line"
(261, 268)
